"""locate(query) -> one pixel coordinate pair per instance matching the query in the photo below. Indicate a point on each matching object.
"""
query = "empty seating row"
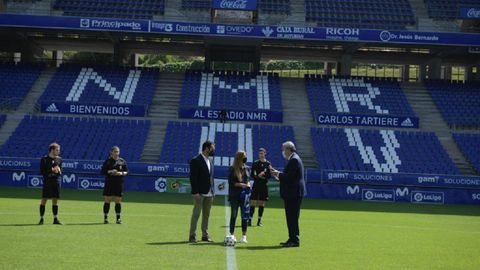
(384, 151)
(469, 144)
(15, 82)
(80, 138)
(183, 140)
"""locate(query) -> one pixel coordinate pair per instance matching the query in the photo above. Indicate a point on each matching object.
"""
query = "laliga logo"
(161, 184)
(35, 181)
(85, 184)
(418, 197)
(385, 36)
(369, 195)
(85, 23)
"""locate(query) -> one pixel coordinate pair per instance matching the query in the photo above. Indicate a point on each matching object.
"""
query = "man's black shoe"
(207, 239)
(57, 222)
(192, 239)
(40, 222)
(290, 244)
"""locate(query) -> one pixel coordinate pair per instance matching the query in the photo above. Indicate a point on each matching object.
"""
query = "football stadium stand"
(101, 85)
(183, 140)
(469, 144)
(127, 9)
(446, 9)
(356, 96)
(80, 138)
(458, 102)
(384, 151)
(231, 91)
(374, 14)
(15, 82)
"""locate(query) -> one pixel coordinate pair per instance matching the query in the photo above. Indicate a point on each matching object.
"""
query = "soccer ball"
(229, 241)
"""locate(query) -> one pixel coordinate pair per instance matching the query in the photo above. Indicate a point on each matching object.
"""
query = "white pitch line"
(231, 257)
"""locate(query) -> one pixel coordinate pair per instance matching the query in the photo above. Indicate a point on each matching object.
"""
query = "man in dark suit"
(201, 181)
(292, 190)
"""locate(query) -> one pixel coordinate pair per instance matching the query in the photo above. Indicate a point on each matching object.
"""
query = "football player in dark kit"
(261, 174)
(51, 168)
(114, 169)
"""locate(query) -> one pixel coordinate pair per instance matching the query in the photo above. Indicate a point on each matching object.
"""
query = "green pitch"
(335, 235)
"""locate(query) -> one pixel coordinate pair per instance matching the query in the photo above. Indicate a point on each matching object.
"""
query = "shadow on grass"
(307, 204)
(19, 225)
(85, 224)
(259, 247)
(170, 243)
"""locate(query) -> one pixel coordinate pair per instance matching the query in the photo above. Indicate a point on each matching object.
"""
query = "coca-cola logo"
(473, 13)
(234, 4)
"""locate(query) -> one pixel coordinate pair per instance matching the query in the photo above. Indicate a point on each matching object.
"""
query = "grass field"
(334, 235)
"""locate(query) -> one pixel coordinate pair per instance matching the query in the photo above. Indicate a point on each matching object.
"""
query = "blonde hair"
(238, 164)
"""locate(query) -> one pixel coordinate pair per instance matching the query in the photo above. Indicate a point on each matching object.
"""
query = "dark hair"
(262, 149)
(207, 144)
(52, 146)
(115, 147)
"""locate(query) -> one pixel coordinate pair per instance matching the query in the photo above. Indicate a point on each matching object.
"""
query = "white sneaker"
(244, 239)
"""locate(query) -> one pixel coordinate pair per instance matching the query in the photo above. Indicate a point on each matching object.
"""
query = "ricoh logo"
(234, 4)
(473, 13)
(428, 179)
(17, 177)
(343, 31)
(163, 168)
(476, 196)
(115, 24)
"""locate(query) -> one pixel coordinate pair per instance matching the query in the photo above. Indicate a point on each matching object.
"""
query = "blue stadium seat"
(459, 102)
(469, 144)
(231, 91)
(15, 83)
(124, 9)
(385, 151)
(101, 85)
(365, 96)
(374, 14)
(80, 138)
(183, 141)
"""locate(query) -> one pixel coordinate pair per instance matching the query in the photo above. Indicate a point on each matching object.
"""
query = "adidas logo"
(52, 108)
(407, 123)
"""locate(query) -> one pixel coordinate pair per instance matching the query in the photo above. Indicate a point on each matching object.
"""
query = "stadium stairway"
(425, 23)
(431, 120)
(164, 108)
(297, 113)
(173, 11)
(27, 106)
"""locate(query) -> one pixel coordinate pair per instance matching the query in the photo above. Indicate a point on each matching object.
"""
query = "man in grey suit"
(201, 181)
(292, 190)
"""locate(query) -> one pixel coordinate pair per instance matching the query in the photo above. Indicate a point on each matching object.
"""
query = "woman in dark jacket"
(239, 192)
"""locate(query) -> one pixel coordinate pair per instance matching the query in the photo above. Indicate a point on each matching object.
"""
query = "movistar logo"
(18, 176)
(353, 190)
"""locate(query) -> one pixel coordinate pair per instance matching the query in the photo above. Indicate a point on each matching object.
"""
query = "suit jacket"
(292, 182)
(201, 180)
